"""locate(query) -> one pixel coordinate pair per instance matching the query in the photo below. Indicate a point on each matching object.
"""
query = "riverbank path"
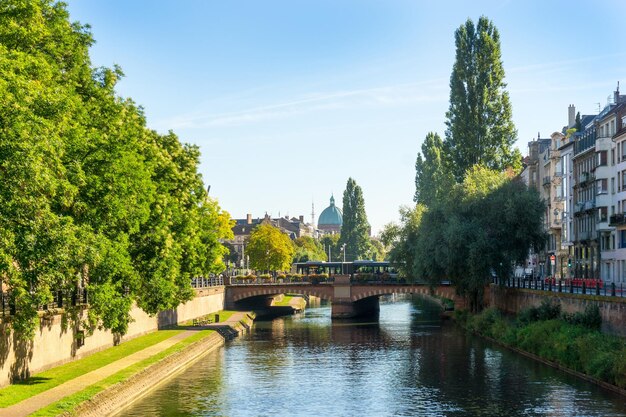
(43, 399)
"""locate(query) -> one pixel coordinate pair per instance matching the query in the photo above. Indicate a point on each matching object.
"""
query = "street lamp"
(343, 249)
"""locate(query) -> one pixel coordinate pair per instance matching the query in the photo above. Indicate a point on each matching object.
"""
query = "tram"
(361, 270)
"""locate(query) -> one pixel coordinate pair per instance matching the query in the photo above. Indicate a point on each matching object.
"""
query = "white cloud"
(386, 96)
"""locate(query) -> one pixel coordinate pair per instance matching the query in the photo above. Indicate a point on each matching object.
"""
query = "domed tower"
(331, 219)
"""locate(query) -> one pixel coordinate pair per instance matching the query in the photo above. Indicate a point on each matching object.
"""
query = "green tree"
(377, 251)
(403, 240)
(90, 196)
(432, 179)
(331, 242)
(308, 249)
(269, 249)
(479, 122)
(355, 228)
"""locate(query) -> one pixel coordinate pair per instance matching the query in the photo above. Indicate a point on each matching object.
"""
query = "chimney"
(301, 219)
(571, 116)
(249, 218)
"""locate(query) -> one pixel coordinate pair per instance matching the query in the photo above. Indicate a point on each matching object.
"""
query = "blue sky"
(287, 99)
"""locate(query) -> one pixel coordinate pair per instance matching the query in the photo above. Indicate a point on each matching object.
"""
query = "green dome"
(331, 215)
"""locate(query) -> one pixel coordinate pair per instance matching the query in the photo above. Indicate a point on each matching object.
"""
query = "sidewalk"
(41, 400)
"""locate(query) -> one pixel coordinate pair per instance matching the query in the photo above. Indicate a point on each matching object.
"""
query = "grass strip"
(285, 301)
(224, 315)
(51, 378)
(69, 403)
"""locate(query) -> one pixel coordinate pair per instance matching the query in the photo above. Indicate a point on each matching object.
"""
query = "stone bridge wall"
(337, 293)
(514, 300)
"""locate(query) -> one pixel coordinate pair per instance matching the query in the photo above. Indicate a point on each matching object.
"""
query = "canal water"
(409, 363)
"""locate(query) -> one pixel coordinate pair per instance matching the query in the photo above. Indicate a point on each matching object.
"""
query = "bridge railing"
(317, 279)
(571, 286)
(289, 280)
(207, 282)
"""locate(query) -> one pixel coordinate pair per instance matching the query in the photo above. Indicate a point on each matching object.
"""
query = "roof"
(331, 216)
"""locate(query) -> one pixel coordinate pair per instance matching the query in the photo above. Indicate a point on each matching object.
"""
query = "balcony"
(584, 178)
(584, 235)
(579, 208)
(617, 219)
(546, 181)
(589, 205)
(558, 174)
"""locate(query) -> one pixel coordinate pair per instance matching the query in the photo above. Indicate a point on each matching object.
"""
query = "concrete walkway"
(43, 399)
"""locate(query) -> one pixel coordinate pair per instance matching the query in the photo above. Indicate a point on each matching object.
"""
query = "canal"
(409, 363)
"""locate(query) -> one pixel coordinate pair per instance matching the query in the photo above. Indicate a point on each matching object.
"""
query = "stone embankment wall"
(55, 343)
(121, 395)
(513, 300)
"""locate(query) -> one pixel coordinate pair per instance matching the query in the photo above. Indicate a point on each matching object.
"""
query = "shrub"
(590, 318)
(548, 310)
(265, 276)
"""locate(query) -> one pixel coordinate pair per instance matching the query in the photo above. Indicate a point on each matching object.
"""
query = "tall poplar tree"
(479, 122)
(355, 228)
(432, 178)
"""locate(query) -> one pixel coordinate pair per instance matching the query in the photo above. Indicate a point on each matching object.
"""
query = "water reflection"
(408, 363)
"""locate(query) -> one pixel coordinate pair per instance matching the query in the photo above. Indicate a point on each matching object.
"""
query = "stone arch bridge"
(347, 299)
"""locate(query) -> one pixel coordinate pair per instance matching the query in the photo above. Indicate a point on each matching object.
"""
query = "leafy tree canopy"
(308, 249)
(433, 179)
(480, 128)
(355, 228)
(90, 197)
(269, 249)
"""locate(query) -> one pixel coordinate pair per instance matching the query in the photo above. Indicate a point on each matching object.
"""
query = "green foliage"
(377, 250)
(308, 249)
(590, 318)
(269, 249)
(547, 310)
(485, 226)
(433, 180)
(480, 128)
(404, 252)
(355, 228)
(90, 196)
(545, 332)
(332, 242)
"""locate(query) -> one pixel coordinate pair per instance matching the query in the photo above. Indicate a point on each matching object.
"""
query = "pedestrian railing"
(207, 282)
(61, 299)
(571, 286)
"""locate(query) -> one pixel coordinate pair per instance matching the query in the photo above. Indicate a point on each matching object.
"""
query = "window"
(601, 159)
(602, 214)
(612, 131)
(613, 185)
(601, 186)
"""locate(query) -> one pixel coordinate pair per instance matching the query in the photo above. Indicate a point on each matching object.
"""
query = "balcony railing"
(546, 180)
(579, 207)
(584, 177)
(617, 219)
(558, 174)
(584, 235)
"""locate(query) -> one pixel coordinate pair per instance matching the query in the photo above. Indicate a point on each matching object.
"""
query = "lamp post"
(343, 249)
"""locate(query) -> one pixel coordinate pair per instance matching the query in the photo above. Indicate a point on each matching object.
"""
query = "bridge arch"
(362, 292)
(241, 293)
